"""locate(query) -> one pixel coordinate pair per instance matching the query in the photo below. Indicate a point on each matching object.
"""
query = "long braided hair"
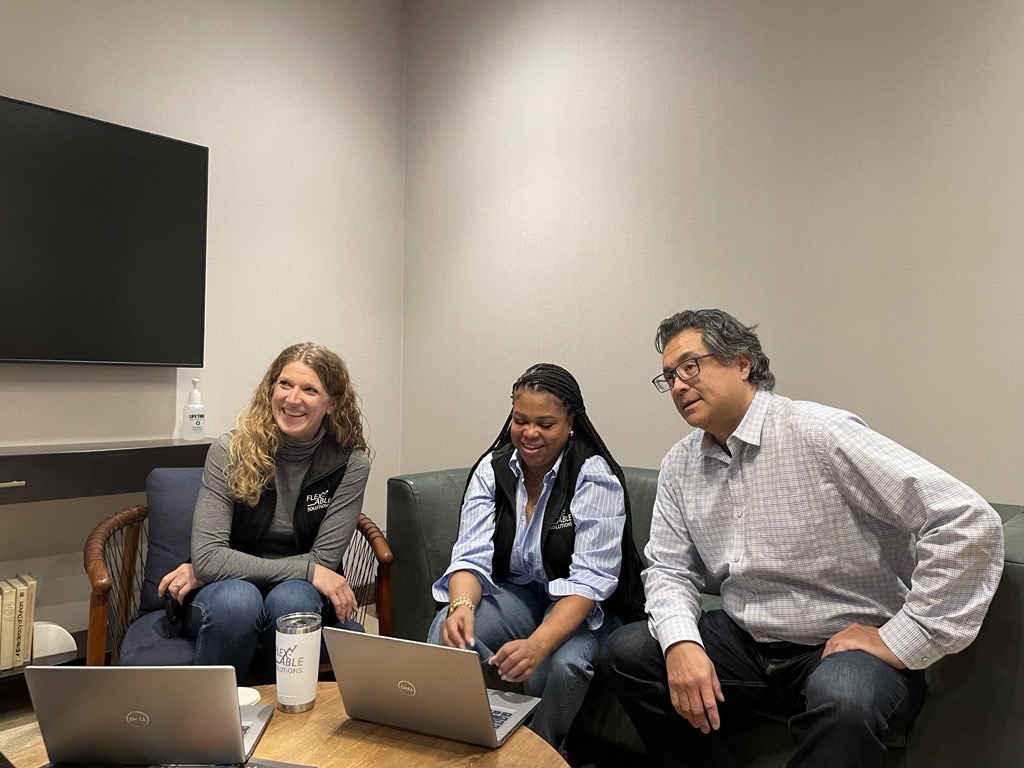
(558, 382)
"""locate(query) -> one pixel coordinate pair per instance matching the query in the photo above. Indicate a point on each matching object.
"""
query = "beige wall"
(848, 175)
(301, 105)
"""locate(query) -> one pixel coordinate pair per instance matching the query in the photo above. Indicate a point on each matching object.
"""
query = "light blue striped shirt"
(811, 525)
(598, 512)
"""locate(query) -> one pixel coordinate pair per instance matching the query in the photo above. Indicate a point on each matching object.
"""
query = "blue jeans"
(562, 679)
(234, 622)
(839, 709)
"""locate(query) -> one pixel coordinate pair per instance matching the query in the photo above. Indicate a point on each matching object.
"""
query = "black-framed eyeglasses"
(684, 371)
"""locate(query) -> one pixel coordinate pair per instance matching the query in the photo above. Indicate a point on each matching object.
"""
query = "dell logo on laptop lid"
(137, 719)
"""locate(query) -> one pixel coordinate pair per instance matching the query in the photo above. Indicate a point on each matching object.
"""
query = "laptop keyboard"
(499, 716)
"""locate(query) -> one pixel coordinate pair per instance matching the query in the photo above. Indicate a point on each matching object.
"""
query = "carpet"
(18, 727)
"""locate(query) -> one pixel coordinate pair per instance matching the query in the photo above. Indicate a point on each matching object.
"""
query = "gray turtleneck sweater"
(214, 560)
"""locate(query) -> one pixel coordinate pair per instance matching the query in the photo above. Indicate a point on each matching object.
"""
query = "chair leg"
(384, 600)
(96, 638)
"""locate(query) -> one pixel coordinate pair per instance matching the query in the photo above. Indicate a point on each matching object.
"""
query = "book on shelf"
(7, 617)
(30, 615)
(20, 596)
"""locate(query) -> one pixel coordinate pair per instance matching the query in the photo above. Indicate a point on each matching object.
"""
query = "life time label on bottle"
(195, 425)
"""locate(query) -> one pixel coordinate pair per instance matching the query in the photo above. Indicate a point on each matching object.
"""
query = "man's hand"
(457, 630)
(858, 637)
(693, 684)
(516, 660)
(335, 588)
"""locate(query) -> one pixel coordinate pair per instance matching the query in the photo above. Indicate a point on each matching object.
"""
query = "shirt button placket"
(738, 502)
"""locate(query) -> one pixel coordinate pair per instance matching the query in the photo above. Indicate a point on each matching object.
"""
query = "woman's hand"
(457, 630)
(179, 582)
(516, 660)
(335, 588)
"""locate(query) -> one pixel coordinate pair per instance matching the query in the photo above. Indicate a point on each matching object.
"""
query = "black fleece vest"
(558, 535)
(558, 531)
(325, 473)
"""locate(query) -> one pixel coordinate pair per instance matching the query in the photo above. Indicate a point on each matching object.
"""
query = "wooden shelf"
(59, 658)
(48, 472)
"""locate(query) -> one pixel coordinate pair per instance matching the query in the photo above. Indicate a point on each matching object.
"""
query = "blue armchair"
(127, 554)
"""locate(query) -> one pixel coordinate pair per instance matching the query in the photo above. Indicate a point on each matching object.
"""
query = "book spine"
(30, 615)
(21, 593)
(7, 609)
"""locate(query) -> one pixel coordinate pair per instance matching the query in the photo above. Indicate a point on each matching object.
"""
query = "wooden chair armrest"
(95, 562)
(384, 557)
(102, 580)
(376, 539)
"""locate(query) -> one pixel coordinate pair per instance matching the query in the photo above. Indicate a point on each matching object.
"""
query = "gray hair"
(724, 336)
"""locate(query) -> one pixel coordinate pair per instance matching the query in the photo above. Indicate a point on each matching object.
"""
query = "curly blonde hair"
(256, 438)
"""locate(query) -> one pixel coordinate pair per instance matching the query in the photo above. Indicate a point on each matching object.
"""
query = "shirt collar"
(749, 429)
(513, 464)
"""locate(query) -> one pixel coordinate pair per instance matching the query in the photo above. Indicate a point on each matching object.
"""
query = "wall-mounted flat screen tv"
(102, 242)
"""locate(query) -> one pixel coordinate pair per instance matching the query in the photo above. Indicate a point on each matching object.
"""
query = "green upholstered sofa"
(974, 714)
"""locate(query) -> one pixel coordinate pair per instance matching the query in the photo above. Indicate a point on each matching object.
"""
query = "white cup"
(298, 661)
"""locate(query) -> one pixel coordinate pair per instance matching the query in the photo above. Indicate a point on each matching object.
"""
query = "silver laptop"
(421, 687)
(144, 715)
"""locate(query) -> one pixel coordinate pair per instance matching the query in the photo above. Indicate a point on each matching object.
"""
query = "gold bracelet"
(460, 601)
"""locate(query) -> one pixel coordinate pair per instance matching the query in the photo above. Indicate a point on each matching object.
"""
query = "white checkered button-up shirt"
(811, 525)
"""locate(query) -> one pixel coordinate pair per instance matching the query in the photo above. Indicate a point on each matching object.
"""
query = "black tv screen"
(102, 241)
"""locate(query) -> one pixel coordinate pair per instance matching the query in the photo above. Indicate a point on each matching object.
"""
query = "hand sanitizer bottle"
(193, 418)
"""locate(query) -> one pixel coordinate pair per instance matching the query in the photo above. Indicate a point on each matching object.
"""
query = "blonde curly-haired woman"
(280, 498)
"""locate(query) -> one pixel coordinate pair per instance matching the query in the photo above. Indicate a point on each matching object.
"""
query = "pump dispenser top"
(193, 417)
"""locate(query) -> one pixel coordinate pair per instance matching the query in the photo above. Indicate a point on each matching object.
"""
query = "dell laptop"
(144, 715)
(421, 687)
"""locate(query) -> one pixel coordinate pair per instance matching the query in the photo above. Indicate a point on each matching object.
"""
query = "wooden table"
(325, 737)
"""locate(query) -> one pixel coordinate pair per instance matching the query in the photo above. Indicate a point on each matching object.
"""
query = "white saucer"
(247, 696)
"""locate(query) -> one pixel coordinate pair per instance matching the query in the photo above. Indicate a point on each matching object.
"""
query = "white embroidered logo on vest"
(564, 521)
(318, 501)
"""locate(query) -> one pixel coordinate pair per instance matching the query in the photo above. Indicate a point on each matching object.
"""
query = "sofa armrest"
(1007, 511)
(976, 697)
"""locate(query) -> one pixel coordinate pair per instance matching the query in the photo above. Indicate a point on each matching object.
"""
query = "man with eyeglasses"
(808, 521)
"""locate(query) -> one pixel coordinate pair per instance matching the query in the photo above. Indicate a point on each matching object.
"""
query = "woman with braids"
(280, 498)
(544, 566)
